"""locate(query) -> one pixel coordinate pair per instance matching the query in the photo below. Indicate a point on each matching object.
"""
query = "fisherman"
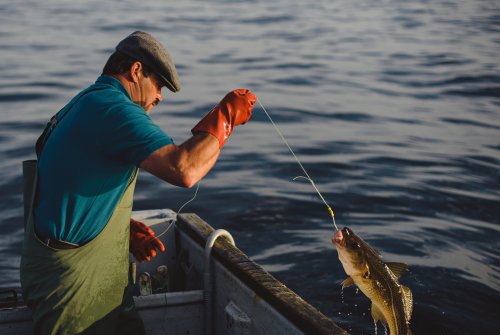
(74, 267)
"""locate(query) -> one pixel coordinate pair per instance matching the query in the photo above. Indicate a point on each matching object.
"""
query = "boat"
(202, 284)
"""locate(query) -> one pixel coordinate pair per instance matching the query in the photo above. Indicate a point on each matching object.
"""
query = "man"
(78, 237)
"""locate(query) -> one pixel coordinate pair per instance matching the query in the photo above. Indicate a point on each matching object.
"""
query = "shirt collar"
(108, 80)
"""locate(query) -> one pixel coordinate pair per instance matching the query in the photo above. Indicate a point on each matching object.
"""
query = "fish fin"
(397, 268)
(377, 315)
(348, 282)
(408, 302)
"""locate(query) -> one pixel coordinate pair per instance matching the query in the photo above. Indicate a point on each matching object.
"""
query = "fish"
(392, 302)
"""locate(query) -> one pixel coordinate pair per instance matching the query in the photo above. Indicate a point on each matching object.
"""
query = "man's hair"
(119, 63)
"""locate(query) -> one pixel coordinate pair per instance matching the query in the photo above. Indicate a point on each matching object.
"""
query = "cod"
(392, 303)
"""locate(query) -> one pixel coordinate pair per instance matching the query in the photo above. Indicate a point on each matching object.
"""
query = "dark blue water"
(392, 106)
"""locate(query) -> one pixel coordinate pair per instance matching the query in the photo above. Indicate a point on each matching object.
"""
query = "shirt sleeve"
(128, 134)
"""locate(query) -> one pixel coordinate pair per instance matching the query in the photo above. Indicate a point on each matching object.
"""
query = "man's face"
(149, 92)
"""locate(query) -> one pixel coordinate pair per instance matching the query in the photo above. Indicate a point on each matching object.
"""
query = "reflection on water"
(392, 107)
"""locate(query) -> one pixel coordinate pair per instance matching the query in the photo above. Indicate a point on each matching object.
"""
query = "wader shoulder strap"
(54, 120)
(30, 182)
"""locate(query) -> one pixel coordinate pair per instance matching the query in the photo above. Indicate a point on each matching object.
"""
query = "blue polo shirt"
(88, 160)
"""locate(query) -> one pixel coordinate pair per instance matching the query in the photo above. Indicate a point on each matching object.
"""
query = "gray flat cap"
(148, 50)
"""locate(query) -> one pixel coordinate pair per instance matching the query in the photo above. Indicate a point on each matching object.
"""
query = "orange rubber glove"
(143, 243)
(233, 110)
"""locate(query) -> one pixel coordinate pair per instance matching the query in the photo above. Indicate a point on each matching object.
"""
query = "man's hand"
(233, 110)
(143, 243)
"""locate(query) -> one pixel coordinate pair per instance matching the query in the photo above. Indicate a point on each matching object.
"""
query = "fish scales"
(387, 296)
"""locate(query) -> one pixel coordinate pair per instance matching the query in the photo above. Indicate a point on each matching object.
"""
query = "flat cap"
(149, 51)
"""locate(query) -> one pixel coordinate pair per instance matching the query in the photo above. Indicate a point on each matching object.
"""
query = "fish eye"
(355, 245)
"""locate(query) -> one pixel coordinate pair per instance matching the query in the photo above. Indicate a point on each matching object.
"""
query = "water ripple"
(470, 123)
(392, 106)
(493, 92)
(15, 97)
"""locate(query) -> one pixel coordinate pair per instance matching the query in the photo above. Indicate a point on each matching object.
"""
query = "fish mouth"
(338, 238)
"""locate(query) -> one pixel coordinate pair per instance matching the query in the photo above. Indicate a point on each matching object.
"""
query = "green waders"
(83, 290)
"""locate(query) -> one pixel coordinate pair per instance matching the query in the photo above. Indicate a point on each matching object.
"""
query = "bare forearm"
(202, 151)
(186, 164)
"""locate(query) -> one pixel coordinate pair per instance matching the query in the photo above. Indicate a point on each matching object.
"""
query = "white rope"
(180, 209)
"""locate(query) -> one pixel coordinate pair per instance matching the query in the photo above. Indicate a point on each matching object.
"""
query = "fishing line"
(307, 177)
(180, 209)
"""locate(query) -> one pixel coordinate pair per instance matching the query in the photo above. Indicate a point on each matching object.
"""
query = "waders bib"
(82, 290)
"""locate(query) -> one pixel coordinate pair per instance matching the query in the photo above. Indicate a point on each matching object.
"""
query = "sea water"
(392, 106)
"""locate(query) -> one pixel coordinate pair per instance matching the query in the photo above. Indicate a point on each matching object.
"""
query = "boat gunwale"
(299, 312)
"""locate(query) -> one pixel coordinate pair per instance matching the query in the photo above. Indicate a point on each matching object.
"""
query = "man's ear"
(135, 70)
